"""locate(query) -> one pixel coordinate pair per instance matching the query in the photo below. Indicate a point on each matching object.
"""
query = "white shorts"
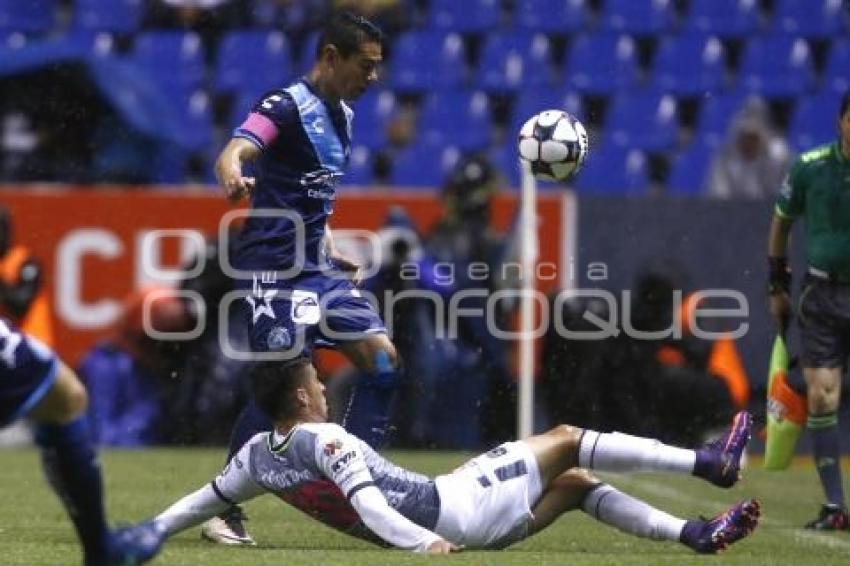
(486, 503)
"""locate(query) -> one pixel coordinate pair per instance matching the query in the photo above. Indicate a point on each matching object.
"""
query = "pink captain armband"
(261, 127)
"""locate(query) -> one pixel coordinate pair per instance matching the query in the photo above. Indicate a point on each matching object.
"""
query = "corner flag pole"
(528, 259)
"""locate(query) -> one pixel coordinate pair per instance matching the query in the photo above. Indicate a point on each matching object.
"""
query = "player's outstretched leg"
(718, 462)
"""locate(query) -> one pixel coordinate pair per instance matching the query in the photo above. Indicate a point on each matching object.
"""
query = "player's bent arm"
(228, 167)
(234, 485)
(389, 524)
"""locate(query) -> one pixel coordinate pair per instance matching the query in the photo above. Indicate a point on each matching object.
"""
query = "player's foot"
(719, 462)
(228, 528)
(832, 517)
(714, 535)
(132, 545)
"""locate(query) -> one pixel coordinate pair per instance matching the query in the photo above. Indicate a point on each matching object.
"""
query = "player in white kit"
(492, 501)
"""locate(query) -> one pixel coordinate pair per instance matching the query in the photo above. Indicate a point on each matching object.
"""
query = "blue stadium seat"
(307, 54)
(586, 74)
(716, 114)
(252, 61)
(456, 118)
(814, 120)
(372, 112)
(637, 17)
(426, 60)
(612, 169)
(836, 72)
(690, 64)
(533, 101)
(467, 16)
(724, 18)
(810, 18)
(27, 16)
(97, 43)
(174, 59)
(689, 169)
(423, 165)
(551, 16)
(360, 168)
(643, 120)
(196, 119)
(776, 66)
(509, 62)
(239, 109)
(114, 16)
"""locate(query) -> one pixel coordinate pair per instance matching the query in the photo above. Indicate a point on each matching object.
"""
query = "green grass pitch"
(35, 532)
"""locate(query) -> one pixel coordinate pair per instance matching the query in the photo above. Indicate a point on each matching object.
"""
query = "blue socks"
(250, 422)
(827, 454)
(368, 413)
(71, 466)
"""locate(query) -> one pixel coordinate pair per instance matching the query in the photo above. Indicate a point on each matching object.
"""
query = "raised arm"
(228, 167)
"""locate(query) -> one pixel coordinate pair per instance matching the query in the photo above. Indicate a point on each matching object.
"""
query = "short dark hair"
(274, 385)
(845, 104)
(348, 31)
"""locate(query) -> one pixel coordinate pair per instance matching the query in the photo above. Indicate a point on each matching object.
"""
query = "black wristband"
(779, 275)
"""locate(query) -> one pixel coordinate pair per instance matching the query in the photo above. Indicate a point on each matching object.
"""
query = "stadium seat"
(306, 54)
(252, 61)
(690, 64)
(689, 169)
(836, 72)
(777, 66)
(423, 165)
(637, 17)
(28, 16)
(97, 43)
(821, 19)
(194, 110)
(533, 101)
(612, 169)
(716, 114)
(585, 73)
(814, 120)
(510, 62)
(425, 60)
(114, 16)
(724, 18)
(174, 59)
(456, 118)
(371, 114)
(466, 17)
(551, 16)
(360, 168)
(643, 120)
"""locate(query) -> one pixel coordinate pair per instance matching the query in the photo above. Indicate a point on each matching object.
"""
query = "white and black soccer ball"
(554, 143)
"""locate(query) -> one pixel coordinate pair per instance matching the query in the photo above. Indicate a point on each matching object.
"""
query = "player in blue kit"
(36, 385)
(299, 291)
(492, 501)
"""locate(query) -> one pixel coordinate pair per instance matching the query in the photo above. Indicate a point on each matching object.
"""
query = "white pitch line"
(668, 492)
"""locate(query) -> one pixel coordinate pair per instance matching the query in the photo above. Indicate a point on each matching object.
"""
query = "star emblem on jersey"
(332, 447)
(260, 301)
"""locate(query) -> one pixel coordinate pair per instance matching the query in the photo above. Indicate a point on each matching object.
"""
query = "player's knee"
(822, 400)
(71, 397)
(567, 434)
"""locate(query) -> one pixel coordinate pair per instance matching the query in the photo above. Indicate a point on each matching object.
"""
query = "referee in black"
(818, 190)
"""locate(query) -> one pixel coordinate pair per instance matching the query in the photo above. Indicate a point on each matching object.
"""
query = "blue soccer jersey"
(305, 143)
(27, 371)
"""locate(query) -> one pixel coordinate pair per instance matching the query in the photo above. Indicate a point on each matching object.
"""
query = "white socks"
(615, 452)
(631, 515)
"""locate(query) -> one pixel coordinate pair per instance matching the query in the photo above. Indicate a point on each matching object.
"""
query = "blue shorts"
(313, 309)
(27, 371)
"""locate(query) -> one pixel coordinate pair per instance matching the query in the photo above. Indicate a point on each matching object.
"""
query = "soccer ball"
(554, 143)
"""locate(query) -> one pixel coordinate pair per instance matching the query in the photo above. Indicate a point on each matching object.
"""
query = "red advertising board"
(91, 241)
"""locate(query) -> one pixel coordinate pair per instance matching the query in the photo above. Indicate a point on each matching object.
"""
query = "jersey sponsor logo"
(318, 125)
(305, 307)
(278, 338)
(321, 183)
(331, 447)
(343, 461)
(284, 478)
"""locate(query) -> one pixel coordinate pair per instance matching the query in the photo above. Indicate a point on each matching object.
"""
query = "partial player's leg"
(576, 488)
(824, 390)
(72, 469)
(368, 412)
(566, 447)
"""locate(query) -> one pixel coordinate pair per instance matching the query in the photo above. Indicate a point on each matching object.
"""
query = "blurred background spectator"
(754, 159)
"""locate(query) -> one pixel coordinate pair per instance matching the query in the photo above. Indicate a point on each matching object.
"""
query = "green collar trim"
(284, 443)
